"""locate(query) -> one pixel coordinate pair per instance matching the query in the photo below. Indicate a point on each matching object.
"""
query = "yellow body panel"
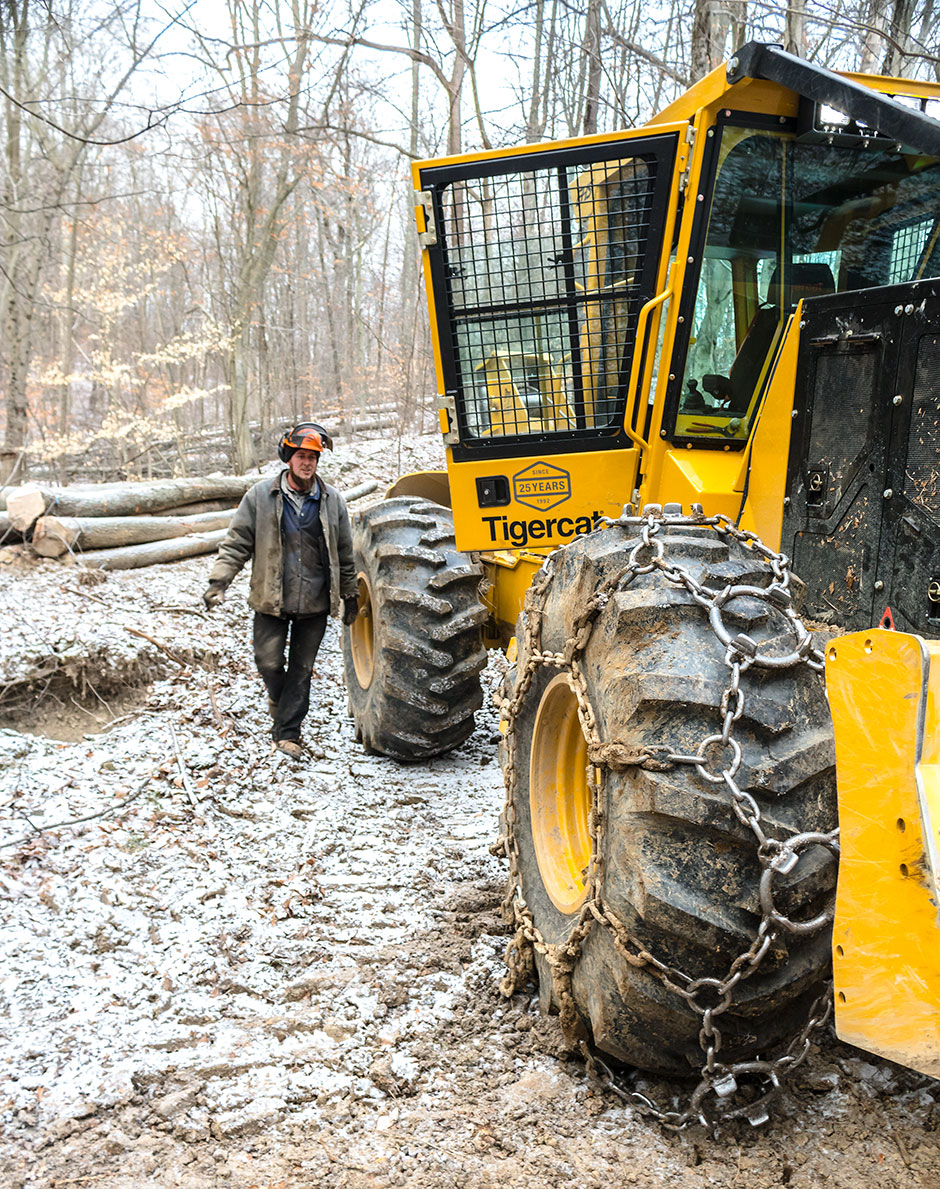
(705, 477)
(884, 691)
(748, 95)
(552, 499)
(509, 573)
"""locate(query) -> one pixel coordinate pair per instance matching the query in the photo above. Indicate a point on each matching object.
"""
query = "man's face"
(303, 466)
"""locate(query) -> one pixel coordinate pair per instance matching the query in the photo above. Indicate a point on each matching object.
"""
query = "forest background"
(206, 213)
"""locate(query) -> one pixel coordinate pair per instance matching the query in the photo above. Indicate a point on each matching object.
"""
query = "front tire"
(414, 655)
(652, 849)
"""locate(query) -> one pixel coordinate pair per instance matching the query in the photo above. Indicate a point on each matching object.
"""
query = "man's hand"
(350, 610)
(213, 596)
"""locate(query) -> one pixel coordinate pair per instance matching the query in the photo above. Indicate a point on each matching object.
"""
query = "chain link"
(719, 1093)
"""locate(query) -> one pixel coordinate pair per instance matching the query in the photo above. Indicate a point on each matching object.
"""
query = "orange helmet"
(306, 435)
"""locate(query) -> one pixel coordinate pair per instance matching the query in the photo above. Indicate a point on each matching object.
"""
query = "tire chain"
(717, 1096)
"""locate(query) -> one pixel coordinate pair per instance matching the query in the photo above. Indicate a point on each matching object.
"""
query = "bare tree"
(62, 71)
(254, 163)
(710, 24)
(267, 262)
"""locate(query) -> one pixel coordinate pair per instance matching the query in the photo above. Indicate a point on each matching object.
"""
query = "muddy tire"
(679, 871)
(413, 657)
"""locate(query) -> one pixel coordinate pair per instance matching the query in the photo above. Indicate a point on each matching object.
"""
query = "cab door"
(543, 266)
(862, 514)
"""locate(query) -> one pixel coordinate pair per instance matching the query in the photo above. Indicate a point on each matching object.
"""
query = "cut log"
(25, 505)
(8, 534)
(55, 535)
(200, 507)
(361, 489)
(132, 499)
(132, 557)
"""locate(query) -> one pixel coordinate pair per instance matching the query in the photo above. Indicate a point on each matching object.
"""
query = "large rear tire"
(414, 655)
(661, 850)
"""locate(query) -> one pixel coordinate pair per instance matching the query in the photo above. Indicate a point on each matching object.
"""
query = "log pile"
(54, 536)
(27, 503)
(122, 526)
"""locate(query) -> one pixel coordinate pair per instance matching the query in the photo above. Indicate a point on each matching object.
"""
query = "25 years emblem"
(542, 485)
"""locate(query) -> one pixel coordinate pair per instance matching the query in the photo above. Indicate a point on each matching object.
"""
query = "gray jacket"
(255, 534)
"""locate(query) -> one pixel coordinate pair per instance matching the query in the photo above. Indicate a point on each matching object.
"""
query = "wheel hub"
(361, 635)
(560, 797)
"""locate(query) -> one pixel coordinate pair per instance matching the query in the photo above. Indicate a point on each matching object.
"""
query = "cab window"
(793, 220)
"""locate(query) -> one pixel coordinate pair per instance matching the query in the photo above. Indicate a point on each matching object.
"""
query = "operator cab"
(791, 218)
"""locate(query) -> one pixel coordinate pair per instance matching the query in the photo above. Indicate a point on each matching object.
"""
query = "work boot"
(290, 747)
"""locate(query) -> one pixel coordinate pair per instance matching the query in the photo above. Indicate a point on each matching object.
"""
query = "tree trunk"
(65, 319)
(592, 54)
(198, 508)
(794, 34)
(707, 39)
(242, 449)
(13, 241)
(899, 31)
(25, 505)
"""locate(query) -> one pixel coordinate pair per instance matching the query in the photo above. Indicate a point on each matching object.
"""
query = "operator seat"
(737, 388)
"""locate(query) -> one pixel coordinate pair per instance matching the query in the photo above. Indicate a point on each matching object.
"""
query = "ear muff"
(306, 435)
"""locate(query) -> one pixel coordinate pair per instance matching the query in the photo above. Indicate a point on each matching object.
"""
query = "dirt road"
(250, 972)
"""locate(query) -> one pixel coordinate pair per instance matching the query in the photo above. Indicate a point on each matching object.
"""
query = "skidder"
(657, 349)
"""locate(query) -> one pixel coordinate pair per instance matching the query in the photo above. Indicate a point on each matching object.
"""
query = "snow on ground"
(247, 971)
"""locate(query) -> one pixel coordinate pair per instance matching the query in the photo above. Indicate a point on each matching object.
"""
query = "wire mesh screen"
(907, 246)
(544, 271)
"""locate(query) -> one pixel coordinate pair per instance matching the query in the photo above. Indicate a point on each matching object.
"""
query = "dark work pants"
(290, 689)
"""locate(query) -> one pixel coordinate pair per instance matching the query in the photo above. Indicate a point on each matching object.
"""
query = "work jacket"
(255, 534)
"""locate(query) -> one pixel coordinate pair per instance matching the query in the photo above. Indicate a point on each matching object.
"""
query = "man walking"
(295, 529)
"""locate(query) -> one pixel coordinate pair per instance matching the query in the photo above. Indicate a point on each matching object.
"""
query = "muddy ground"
(251, 972)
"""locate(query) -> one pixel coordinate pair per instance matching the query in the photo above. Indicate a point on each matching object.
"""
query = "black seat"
(806, 280)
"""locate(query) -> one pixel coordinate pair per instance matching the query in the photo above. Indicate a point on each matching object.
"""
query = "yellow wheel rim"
(361, 635)
(560, 797)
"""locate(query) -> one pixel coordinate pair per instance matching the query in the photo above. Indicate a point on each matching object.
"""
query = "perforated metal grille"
(543, 270)
(843, 407)
(922, 477)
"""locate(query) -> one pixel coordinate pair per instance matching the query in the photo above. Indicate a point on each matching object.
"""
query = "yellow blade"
(884, 693)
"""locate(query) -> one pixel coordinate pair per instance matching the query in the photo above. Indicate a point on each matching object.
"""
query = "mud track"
(255, 973)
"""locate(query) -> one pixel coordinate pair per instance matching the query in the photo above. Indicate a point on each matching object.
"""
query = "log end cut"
(24, 506)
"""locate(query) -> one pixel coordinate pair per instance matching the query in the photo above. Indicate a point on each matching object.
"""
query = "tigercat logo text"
(541, 485)
(520, 533)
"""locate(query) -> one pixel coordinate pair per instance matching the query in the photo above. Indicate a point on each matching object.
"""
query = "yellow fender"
(884, 693)
(429, 485)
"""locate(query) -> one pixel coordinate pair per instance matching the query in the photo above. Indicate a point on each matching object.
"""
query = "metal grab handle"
(638, 363)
